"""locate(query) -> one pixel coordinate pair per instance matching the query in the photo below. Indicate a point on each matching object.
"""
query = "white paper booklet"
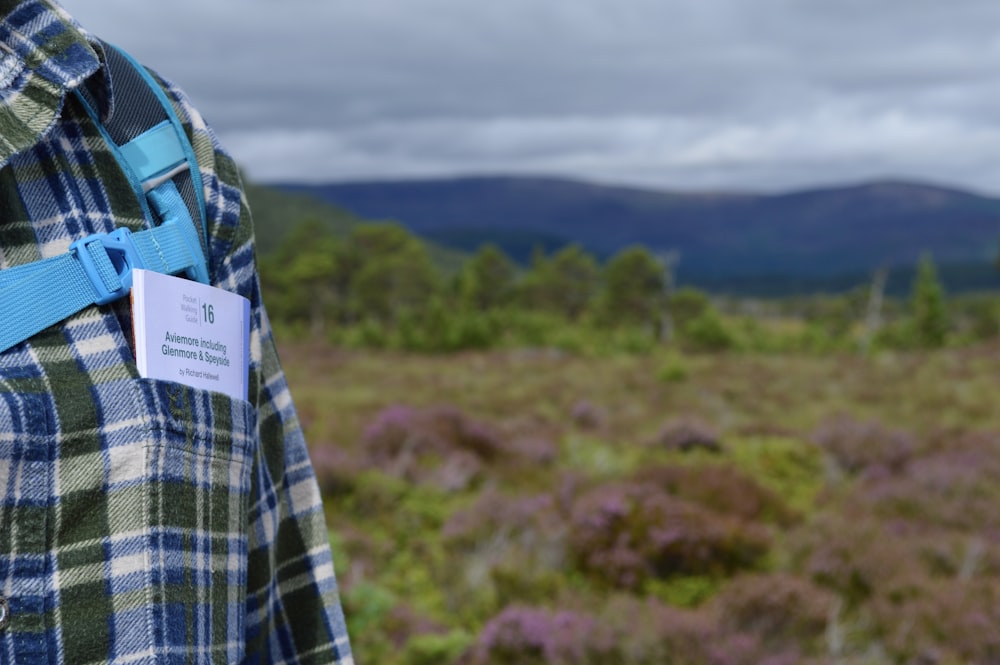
(191, 333)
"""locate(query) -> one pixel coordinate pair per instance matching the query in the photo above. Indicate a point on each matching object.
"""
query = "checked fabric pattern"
(141, 521)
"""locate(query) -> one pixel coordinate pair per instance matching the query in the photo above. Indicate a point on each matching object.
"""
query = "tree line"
(379, 287)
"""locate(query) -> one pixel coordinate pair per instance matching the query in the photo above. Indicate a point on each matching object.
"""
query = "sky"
(734, 95)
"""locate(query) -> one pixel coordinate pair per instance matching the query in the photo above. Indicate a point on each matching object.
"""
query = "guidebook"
(191, 333)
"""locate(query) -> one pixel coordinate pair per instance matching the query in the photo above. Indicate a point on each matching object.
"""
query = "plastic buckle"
(123, 256)
(177, 215)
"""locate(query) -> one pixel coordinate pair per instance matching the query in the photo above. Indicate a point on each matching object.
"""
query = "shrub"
(686, 434)
(785, 465)
(687, 591)
(534, 450)
(530, 636)
(947, 621)
(439, 445)
(366, 607)
(743, 649)
(587, 415)
(512, 548)
(897, 590)
(442, 329)
(521, 518)
(722, 489)
(955, 487)
(647, 632)
(629, 340)
(436, 649)
(369, 334)
(534, 329)
(781, 610)
(673, 370)
(651, 633)
(475, 331)
(895, 335)
(403, 625)
(336, 470)
(686, 305)
(625, 533)
(855, 446)
(860, 559)
(983, 319)
(708, 332)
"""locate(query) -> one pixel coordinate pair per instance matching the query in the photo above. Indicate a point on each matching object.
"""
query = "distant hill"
(817, 237)
(275, 211)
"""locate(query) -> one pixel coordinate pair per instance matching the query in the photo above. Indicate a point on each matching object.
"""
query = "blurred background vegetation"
(377, 286)
(580, 461)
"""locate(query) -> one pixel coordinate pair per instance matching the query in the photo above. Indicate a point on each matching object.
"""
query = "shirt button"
(4, 613)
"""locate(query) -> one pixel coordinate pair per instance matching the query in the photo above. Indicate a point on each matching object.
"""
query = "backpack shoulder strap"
(150, 145)
(142, 127)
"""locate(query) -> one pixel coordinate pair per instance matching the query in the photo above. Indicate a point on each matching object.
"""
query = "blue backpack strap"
(98, 268)
(156, 138)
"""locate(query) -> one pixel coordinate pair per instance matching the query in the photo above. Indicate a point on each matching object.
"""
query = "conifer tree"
(487, 279)
(302, 275)
(565, 284)
(633, 288)
(929, 310)
(393, 272)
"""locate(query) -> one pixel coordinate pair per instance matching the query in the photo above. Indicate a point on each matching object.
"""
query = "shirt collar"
(44, 54)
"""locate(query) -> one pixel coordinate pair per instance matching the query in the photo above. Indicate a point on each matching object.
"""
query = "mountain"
(276, 211)
(814, 236)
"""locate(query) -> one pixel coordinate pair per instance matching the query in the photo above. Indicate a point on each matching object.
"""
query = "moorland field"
(536, 506)
(584, 459)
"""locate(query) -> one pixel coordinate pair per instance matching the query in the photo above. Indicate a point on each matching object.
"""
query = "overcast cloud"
(735, 94)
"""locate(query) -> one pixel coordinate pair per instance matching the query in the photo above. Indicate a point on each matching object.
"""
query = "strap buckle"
(121, 253)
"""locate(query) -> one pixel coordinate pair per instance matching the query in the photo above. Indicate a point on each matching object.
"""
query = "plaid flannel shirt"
(141, 521)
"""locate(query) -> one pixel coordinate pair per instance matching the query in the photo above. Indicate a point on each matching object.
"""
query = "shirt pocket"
(199, 447)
